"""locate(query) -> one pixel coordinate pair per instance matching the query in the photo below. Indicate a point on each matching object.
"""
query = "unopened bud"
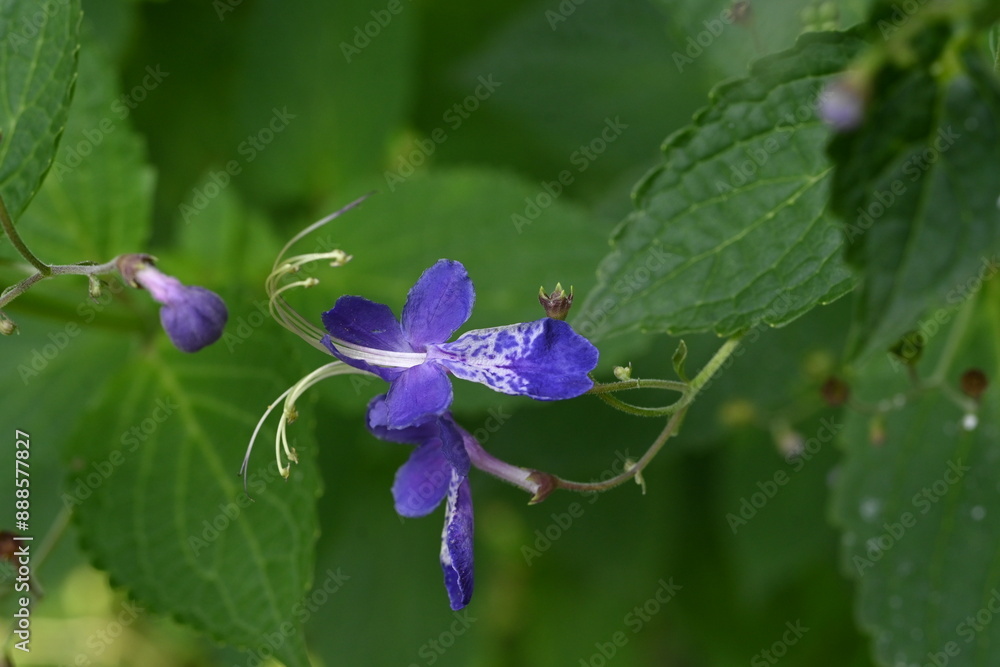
(740, 11)
(828, 11)
(835, 391)
(95, 287)
(192, 316)
(843, 102)
(970, 421)
(790, 442)
(680, 356)
(7, 546)
(623, 372)
(558, 303)
(876, 430)
(909, 348)
(974, 383)
(630, 465)
(7, 326)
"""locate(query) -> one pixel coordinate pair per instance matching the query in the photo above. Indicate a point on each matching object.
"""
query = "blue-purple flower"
(545, 359)
(843, 103)
(437, 469)
(192, 316)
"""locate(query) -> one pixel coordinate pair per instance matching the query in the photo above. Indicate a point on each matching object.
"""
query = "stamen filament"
(290, 414)
(387, 358)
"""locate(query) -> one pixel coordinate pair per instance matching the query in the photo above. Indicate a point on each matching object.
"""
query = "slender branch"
(679, 408)
(15, 239)
(85, 269)
(953, 340)
(638, 410)
(714, 364)
(19, 288)
(24, 285)
(672, 424)
(624, 385)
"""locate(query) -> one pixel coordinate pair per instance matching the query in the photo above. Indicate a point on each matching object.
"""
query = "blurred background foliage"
(229, 68)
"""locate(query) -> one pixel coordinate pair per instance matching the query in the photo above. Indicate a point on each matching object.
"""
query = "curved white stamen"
(386, 358)
(289, 414)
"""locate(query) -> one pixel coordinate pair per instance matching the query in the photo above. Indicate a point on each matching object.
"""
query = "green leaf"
(96, 202)
(731, 230)
(338, 114)
(38, 47)
(159, 505)
(918, 511)
(618, 48)
(920, 209)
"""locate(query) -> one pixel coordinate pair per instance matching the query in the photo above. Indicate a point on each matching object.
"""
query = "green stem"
(15, 239)
(679, 408)
(624, 385)
(637, 410)
(23, 286)
(953, 341)
(585, 487)
(713, 365)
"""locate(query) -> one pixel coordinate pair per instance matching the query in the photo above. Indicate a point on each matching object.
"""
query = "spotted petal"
(544, 359)
(438, 304)
(456, 543)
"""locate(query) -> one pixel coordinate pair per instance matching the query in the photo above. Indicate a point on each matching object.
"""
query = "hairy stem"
(24, 285)
(15, 239)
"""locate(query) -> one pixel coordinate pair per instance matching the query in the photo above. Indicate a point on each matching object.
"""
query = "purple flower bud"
(842, 104)
(192, 316)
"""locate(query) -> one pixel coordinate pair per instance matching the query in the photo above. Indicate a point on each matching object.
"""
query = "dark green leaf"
(38, 47)
(96, 201)
(317, 117)
(918, 510)
(160, 507)
(920, 209)
(731, 230)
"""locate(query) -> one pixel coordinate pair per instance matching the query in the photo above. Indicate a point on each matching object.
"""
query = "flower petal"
(418, 394)
(194, 318)
(456, 543)
(450, 437)
(387, 373)
(378, 416)
(453, 444)
(422, 482)
(357, 320)
(438, 304)
(544, 359)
